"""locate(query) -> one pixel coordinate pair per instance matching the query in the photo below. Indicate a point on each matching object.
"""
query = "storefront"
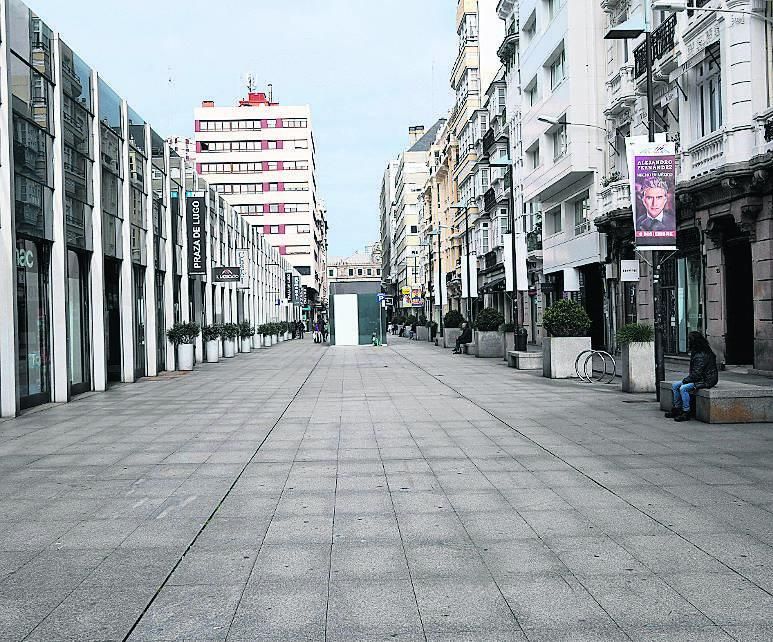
(78, 320)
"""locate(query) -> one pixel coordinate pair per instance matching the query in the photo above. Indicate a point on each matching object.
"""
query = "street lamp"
(633, 28)
(466, 208)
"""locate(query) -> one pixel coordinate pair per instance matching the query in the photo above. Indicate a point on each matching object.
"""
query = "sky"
(368, 68)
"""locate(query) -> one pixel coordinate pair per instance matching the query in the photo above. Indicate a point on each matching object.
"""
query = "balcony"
(534, 240)
(664, 52)
(621, 91)
(616, 197)
(705, 155)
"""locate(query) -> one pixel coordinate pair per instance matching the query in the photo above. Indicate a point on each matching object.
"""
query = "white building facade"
(260, 156)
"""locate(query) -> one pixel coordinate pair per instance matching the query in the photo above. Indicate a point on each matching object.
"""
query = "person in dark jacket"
(464, 338)
(703, 374)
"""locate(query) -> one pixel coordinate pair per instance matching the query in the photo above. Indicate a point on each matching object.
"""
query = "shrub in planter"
(183, 335)
(488, 342)
(422, 319)
(507, 328)
(566, 318)
(245, 334)
(452, 323)
(635, 333)
(229, 333)
(567, 324)
(411, 319)
(638, 347)
(211, 334)
(453, 319)
(489, 320)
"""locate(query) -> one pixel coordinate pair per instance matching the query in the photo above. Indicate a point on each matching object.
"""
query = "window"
(530, 27)
(709, 88)
(501, 98)
(359, 271)
(301, 144)
(560, 141)
(274, 229)
(558, 69)
(484, 179)
(582, 213)
(555, 221)
(369, 272)
(351, 271)
(553, 7)
(532, 155)
(532, 93)
(414, 229)
(305, 270)
(273, 208)
(484, 245)
(331, 272)
(378, 271)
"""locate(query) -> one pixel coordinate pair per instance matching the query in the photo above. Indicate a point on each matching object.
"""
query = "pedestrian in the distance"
(414, 335)
(703, 374)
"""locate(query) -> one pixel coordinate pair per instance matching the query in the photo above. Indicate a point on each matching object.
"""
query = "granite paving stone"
(309, 492)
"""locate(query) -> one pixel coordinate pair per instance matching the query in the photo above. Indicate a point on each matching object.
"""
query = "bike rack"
(590, 378)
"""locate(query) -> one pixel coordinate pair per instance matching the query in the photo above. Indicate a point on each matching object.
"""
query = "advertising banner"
(226, 274)
(473, 285)
(417, 299)
(405, 297)
(296, 289)
(195, 209)
(288, 286)
(242, 258)
(652, 172)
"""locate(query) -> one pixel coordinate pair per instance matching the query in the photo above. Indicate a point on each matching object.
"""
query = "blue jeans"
(681, 393)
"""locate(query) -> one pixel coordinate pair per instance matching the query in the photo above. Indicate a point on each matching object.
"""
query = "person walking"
(464, 338)
(703, 374)
(413, 331)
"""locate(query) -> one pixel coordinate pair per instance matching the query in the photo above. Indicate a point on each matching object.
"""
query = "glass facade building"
(93, 238)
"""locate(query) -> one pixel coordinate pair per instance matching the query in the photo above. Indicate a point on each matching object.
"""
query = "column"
(127, 291)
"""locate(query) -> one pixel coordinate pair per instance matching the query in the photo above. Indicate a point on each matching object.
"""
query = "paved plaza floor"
(395, 493)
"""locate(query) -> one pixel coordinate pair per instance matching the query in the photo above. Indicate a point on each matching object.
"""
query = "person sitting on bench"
(703, 374)
(464, 338)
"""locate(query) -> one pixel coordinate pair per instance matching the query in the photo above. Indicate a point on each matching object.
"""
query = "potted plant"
(183, 336)
(264, 331)
(229, 333)
(452, 324)
(566, 323)
(245, 334)
(211, 335)
(638, 346)
(280, 331)
(508, 339)
(433, 330)
(275, 333)
(488, 343)
(422, 328)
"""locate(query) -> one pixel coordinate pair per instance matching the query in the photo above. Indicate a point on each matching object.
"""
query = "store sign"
(296, 289)
(629, 270)
(652, 171)
(226, 274)
(196, 207)
(25, 259)
(288, 286)
(242, 259)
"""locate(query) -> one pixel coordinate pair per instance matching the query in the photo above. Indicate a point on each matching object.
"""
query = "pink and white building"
(260, 156)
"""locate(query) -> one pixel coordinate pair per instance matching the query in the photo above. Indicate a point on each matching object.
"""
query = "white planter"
(450, 335)
(211, 351)
(639, 367)
(422, 333)
(488, 345)
(257, 341)
(268, 340)
(559, 355)
(185, 354)
(275, 339)
(246, 344)
(229, 348)
(220, 347)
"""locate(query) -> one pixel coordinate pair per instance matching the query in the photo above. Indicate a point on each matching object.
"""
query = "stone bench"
(729, 402)
(468, 348)
(524, 360)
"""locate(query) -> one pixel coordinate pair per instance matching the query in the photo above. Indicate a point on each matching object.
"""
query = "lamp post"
(629, 29)
(466, 208)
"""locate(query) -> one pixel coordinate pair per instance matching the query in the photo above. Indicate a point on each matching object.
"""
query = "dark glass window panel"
(32, 208)
(29, 36)
(111, 236)
(76, 78)
(77, 215)
(137, 207)
(111, 194)
(32, 261)
(31, 94)
(31, 151)
(157, 151)
(77, 175)
(77, 126)
(109, 108)
(111, 150)
(77, 321)
(138, 247)
(137, 169)
(136, 131)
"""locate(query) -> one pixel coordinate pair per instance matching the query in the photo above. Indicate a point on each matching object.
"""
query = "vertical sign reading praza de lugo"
(196, 214)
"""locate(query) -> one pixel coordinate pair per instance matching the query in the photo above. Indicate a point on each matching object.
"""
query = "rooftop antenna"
(270, 92)
(250, 80)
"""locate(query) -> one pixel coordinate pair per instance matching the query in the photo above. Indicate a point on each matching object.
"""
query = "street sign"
(388, 301)
(381, 296)
(226, 274)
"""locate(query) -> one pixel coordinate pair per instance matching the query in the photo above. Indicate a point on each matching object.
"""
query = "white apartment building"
(479, 33)
(564, 144)
(387, 228)
(410, 177)
(260, 156)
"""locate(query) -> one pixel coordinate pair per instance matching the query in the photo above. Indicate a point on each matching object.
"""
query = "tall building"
(387, 222)
(261, 157)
